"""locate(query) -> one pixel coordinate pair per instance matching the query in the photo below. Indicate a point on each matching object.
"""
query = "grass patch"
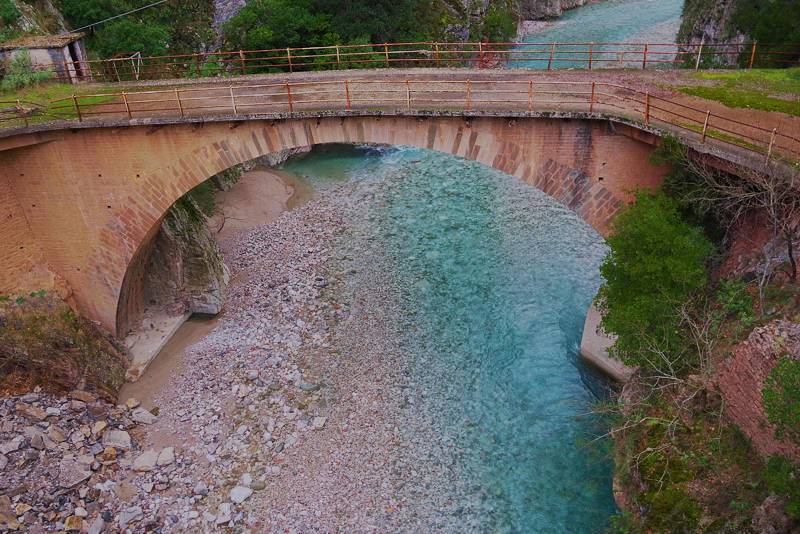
(40, 100)
(767, 90)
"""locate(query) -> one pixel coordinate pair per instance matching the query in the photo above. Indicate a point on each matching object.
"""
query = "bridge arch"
(115, 185)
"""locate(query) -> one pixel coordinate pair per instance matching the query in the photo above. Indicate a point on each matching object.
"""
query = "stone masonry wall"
(741, 380)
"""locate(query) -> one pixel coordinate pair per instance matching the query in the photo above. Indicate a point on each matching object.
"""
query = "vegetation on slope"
(682, 466)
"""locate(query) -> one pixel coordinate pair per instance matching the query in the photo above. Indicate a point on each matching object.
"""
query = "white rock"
(166, 456)
(224, 513)
(119, 439)
(81, 512)
(97, 526)
(3, 462)
(246, 480)
(239, 494)
(130, 514)
(140, 415)
(201, 488)
(145, 461)
(319, 422)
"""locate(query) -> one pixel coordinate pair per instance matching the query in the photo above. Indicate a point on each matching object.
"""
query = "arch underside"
(136, 173)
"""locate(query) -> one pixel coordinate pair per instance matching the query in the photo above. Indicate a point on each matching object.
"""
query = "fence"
(424, 95)
(439, 54)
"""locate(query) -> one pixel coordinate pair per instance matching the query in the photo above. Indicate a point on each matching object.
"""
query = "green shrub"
(655, 266)
(735, 301)
(21, 73)
(781, 395)
(783, 478)
(672, 510)
(8, 12)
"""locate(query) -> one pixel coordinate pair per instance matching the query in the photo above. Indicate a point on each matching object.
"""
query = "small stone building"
(64, 54)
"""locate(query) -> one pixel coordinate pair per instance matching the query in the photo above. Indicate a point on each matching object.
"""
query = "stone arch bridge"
(81, 201)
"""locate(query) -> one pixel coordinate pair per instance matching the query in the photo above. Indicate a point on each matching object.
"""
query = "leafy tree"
(781, 395)
(272, 24)
(498, 24)
(126, 36)
(8, 12)
(776, 22)
(656, 264)
(22, 74)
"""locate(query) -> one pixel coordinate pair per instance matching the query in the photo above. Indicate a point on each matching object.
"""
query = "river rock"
(201, 488)
(166, 456)
(8, 520)
(71, 472)
(98, 427)
(119, 439)
(145, 461)
(12, 445)
(81, 395)
(129, 515)
(31, 412)
(140, 415)
(319, 422)
(132, 403)
(73, 523)
(239, 494)
(224, 513)
(97, 526)
(3, 462)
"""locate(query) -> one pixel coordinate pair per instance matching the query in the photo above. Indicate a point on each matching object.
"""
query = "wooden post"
(338, 59)
(77, 108)
(408, 94)
(591, 49)
(127, 106)
(244, 64)
(347, 94)
(705, 126)
(552, 53)
(469, 95)
(771, 143)
(180, 104)
(22, 113)
(647, 108)
(289, 58)
(591, 100)
(233, 100)
(289, 97)
(386, 53)
(752, 55)
(116, 72)
(644, 56)
(530, 96)
(699, 53)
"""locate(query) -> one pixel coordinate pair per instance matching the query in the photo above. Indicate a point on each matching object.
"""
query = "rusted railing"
(424, 95)
(434, 54)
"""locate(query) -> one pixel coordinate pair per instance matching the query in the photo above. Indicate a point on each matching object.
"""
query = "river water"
(497, 279)
(610, 21)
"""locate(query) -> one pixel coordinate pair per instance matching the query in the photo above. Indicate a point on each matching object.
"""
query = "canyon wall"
(710, 22)
(547, 9)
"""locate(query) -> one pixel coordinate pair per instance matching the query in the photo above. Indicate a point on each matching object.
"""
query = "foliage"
(783, 478)
(775, 21)
(781, 395)
(734, 300)
(21, 73)
(177, 27)
(42, 341)
(498, 23)
(656, 263)
(8, 12)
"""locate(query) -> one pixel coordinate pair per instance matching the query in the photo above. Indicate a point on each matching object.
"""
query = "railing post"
(22, 113)
(552, 53)
(771, 143)
(347, 94)
(480, 52)
(591, 100)
(338, 59)
(289, 97)
(752, 55)
(244, 64)
(699, 53)
(591, 50)
(705, 126)
(436, 54)
(644, 56)
(180, 104)
(127, 105)
(77, 108)
(289, 59)
(408, 94)
(647, 108)
(530, 96)
(386, 53)
(233, 100)
(469, 95)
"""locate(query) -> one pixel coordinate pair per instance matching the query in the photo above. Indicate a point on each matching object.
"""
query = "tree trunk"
(790, 250)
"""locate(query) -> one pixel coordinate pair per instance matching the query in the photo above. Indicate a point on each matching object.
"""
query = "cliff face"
(38, 17)
(547, 9)
(710, 21)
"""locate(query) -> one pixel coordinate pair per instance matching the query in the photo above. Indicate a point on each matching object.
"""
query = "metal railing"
(427, 95)
(434, 54)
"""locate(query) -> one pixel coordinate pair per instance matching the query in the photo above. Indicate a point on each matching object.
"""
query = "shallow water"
(610, 21)
(497, 278)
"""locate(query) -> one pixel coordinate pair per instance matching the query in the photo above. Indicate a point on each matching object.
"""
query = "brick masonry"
(85, 206)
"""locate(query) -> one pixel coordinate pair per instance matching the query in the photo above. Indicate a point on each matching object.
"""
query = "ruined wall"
(741, 380)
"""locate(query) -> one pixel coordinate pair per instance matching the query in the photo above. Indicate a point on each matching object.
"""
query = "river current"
(497, 279)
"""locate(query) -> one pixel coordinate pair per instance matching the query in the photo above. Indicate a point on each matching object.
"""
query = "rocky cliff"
(37, 17)
(710, 22)
(547, 9)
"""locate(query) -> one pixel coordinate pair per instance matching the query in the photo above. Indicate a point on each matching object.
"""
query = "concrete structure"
(81, 206)
(64, 54)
